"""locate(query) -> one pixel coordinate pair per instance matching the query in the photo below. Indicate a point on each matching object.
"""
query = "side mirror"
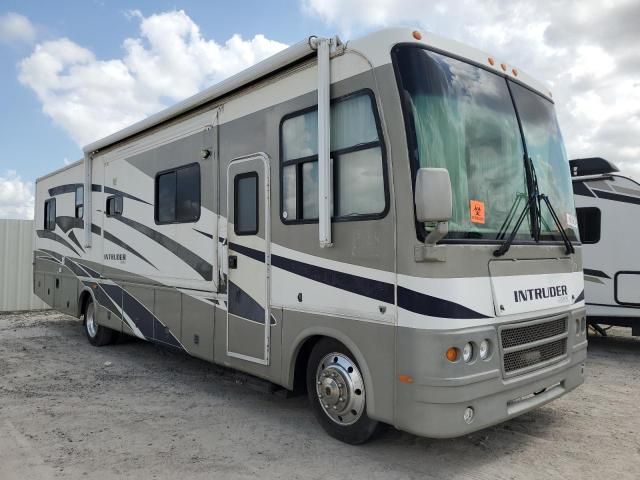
(433, 196)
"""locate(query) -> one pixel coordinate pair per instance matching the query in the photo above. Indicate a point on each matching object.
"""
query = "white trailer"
(607, 205)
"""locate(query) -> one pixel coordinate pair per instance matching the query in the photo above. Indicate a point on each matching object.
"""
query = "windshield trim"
(410, 133)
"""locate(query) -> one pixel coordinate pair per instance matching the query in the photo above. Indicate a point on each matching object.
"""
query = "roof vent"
(591, 166)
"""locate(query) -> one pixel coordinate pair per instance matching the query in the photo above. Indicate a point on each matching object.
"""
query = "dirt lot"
(133, 410)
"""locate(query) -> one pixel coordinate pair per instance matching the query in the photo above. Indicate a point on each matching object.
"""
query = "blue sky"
(32, 143)
(75, 71)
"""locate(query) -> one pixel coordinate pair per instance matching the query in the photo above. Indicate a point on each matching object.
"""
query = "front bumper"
(434, 405)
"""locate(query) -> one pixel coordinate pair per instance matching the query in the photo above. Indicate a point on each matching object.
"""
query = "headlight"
(467, 352)
(484, 349)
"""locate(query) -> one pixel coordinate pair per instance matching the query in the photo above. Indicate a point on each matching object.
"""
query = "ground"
(134, 410)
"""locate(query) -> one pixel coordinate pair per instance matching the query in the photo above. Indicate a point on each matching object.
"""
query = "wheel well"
(300, 369)
(82, 303)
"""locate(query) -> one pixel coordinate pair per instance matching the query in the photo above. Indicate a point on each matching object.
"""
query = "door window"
(246, 204)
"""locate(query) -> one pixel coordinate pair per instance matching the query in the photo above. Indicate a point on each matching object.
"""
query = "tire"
(336, 391)
(97, 335)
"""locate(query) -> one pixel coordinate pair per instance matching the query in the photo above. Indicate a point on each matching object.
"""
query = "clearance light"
(515, 72)
(467, 352)
(503, 66)
(417, 35)
(491, 61)
(452, 354)
(405, 378)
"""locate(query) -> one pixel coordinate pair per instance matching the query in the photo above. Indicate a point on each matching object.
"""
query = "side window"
(114, 205)
(50, 214)
(79, 202)
(178, 195)
(246, 207)
(589, 219)
(359, 179)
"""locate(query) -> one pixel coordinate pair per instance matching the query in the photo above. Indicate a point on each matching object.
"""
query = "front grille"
(512, 337)
(526, 345)
(532, 356)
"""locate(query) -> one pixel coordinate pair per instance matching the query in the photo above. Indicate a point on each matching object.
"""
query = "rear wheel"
(98, 335)
(337, 393)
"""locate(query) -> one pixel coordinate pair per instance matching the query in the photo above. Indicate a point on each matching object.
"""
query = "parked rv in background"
(608, 210)
(388, 223)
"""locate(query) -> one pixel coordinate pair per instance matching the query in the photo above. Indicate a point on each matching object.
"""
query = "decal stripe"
(96, 229)
(408, 299)
(91, 272)
(434, 307)
(375, 289)
(115, 240)
(144, 320)
(199, 264)
(56, 238)
(617, 197)
(208, 235)
(71, 187)
(67, 223)
(72, 237)
(580, 297)
(113, 191)
(580, 188)
(596, 273)
(243, 305)
(248, 252)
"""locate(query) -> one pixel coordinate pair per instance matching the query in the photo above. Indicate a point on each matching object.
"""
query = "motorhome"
(607, 202)
(386, 223)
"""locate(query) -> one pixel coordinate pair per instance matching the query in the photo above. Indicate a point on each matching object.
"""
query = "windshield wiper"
(567, 243)
(504, 247)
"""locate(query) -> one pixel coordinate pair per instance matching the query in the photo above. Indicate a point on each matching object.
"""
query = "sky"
(75, 71)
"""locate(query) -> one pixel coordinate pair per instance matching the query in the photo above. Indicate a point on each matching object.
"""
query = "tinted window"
(188, 194)
(178, 195)
(79, 202)
(50, 214)
(246, 204)
(589, 220)
(356, 162)
(114, 205)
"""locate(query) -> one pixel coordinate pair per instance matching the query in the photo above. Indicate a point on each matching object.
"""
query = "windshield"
(546, 150)
(461, 117)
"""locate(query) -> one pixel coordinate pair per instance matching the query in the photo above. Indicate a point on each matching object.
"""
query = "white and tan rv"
(387, 223)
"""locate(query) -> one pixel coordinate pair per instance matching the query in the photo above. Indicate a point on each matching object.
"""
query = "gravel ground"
(134, 410)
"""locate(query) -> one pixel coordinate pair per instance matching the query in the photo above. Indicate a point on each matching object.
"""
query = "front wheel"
(337, 393)
(96, 334)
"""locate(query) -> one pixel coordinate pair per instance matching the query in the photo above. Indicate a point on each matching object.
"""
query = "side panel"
(197, 327)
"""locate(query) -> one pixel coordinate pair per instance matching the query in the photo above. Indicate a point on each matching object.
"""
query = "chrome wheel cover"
(340, 389)
(92, 326)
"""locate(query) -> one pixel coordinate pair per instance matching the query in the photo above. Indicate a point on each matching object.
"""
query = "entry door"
(248, 234)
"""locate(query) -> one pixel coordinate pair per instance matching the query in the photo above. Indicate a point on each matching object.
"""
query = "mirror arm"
(429, 251)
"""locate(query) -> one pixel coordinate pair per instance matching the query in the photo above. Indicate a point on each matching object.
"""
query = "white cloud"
(16, 196)
(586, 51)
(16, 28)
(169, 60)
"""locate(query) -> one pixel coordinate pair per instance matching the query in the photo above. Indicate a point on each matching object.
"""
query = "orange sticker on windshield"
(476, 209)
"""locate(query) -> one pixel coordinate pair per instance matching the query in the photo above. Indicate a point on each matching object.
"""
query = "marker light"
(467, 352)
(417, 35)
(515, 72)
(452, 354)
(491, 61)
(503, 66)
(405, 378)
(484, 349)
(468, 415)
